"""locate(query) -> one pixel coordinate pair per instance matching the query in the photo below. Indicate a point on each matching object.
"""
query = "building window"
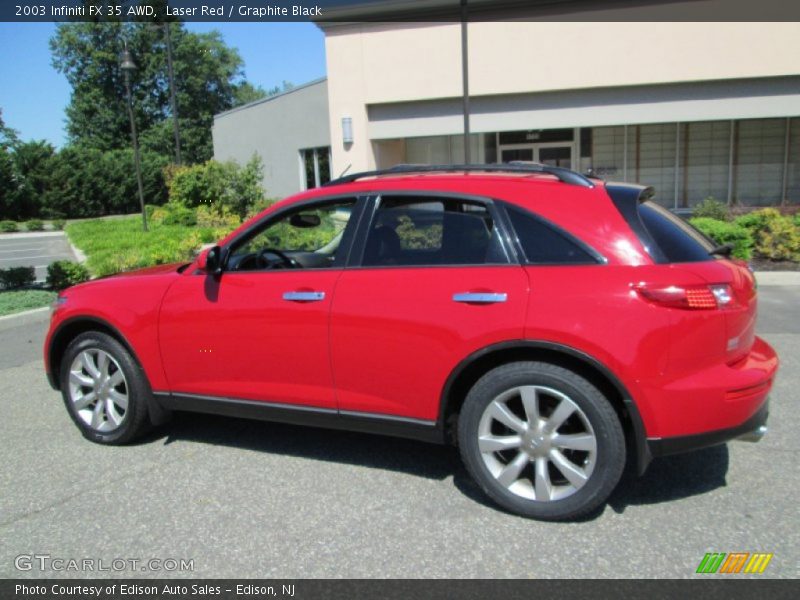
(705, 154)
(315, 164)
(759, 162)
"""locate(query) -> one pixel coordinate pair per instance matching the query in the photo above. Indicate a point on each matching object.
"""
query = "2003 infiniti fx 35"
(551, 325)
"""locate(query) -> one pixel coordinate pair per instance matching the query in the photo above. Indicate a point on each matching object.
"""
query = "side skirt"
(415, 429)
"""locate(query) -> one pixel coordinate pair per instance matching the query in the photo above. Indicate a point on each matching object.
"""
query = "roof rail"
(564, 175)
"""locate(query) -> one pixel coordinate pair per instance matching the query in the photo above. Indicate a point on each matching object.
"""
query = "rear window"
(677, 240)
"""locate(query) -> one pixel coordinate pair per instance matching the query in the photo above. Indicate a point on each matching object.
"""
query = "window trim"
(598, 259)
(345, 248)
(373, 205)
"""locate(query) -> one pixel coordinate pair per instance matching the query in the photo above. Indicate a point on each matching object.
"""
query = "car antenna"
(346, 170)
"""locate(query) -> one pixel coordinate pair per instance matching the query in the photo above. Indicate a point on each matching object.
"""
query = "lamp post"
(127, 65)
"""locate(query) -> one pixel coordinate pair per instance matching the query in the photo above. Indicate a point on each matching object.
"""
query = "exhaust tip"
(755, 435)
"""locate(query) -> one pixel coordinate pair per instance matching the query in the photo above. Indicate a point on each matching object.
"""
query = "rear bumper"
(712, 406)
(751, 430)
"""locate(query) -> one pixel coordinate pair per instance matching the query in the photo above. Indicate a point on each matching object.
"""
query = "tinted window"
(432, 231)
(542, 244)
(679, 241)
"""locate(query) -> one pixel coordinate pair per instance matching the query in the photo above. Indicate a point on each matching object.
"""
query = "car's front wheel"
(104, 389)
(541, 441)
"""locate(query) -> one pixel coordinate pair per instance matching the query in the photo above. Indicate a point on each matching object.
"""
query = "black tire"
(135, 420)
(609, 452)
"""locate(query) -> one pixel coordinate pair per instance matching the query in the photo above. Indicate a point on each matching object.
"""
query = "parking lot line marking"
(36, 256)
(18, 250)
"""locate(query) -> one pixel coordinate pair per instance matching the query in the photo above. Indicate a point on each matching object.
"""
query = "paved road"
(266, 500)
(37, 250)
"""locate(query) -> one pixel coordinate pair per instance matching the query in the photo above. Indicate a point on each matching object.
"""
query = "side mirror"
(210, 260)
(304, 221)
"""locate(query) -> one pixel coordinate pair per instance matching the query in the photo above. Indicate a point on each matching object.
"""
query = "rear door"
(432, 279)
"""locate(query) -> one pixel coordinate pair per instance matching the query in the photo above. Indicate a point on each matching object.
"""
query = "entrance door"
(554, 154)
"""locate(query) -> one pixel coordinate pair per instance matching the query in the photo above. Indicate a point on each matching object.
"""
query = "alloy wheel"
(537, 443)
(98, 390)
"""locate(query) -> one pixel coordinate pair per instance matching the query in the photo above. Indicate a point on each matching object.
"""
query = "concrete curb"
(778, 277)
(30, 234)
(37, 315)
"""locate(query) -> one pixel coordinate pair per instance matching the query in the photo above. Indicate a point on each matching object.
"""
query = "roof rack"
(564, 175)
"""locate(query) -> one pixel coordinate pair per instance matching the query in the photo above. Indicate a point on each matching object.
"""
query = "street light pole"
(465, 80)
(172, 98)
(127, 65)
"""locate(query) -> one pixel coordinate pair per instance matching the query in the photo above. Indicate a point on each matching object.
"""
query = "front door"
(554, 154)
(260, 330)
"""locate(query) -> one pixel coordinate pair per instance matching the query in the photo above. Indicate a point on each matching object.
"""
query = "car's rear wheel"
(104, 389)
(541, 441)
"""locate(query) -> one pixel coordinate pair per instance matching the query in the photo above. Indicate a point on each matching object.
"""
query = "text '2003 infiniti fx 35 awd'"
(551, 325)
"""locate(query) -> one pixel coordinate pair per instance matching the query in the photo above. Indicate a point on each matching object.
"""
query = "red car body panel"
(385, 341)
(387, 323)
(236, 337)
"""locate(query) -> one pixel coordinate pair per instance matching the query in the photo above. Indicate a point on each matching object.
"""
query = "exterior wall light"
(347, 130)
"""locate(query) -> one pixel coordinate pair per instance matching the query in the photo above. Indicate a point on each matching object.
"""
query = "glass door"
(555, 155)
(511, 154)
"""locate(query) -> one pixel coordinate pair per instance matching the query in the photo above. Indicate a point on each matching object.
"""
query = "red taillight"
(687, 297)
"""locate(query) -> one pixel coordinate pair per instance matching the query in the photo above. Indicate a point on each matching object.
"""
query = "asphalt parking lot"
(35, 249)
(250, 499)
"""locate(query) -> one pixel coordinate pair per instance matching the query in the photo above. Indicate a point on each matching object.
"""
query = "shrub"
(214, 183)
(711, 208)
(34, 225)
(757, 220)
(58, 224)
(260, 205)
(723, 232)
(17, 277)
(8, 226)
(776, 236)
(780, 240)
(796, 219)
(178, 214)
(217, 216)
(65, 273)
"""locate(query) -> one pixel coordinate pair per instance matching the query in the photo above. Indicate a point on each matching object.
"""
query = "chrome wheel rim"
(98, 390)
(537, 443)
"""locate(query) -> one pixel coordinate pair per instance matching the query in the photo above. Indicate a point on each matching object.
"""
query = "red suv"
(551, 325)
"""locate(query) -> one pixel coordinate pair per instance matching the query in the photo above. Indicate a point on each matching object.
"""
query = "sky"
(33, 94)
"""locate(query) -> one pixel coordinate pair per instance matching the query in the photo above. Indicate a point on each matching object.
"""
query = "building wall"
(277, 129)
(395, 66)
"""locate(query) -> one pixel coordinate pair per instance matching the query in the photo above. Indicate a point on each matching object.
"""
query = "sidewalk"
(778, 277)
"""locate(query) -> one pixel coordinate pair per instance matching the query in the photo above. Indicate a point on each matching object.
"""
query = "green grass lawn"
(19, 300)
(114, 245)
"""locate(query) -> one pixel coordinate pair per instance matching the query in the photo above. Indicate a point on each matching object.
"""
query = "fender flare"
(643, 454)
(155, 411)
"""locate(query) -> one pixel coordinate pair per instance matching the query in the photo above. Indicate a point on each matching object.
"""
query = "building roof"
(296, 88)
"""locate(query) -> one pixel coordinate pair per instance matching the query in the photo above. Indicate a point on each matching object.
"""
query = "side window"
(306, 238)
(418, 231)
(542, 244)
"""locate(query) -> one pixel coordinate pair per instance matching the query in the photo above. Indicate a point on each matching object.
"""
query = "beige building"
(696, 109)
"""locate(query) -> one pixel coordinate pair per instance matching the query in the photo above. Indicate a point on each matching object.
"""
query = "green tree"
(208, 80)
(33, 167)
(8, 176)
(246, 92)
(87, 182)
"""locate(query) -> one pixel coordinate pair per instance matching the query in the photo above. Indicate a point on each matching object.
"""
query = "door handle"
(304, 296)
(480, 297)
